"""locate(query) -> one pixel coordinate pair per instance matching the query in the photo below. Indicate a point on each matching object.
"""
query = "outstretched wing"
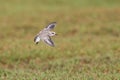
(37, 39)
(51, 26)
(48, 41)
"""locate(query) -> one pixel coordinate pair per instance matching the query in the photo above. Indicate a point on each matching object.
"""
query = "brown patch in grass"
(71, 32)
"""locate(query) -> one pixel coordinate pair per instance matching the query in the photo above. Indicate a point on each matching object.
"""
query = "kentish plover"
(45, 35)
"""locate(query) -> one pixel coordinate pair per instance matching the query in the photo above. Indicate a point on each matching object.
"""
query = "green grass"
(87, 45)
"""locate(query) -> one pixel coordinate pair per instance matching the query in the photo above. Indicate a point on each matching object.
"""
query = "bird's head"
(51, 33)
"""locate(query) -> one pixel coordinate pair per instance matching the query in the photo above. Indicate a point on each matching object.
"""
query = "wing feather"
(49, 41)
(51, 26)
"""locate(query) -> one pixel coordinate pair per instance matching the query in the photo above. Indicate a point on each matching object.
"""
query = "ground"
(87, 46)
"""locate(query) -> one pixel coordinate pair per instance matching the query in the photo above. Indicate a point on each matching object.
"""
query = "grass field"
(87, 45)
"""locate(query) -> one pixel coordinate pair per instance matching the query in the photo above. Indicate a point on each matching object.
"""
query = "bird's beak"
(56, 34)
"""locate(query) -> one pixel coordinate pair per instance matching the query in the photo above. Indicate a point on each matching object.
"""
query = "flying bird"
(45, 35)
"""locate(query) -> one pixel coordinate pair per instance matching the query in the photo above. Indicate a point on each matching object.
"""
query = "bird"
(46, 34)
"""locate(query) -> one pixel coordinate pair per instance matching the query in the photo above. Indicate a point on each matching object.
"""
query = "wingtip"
(52, 45)
(36, 43)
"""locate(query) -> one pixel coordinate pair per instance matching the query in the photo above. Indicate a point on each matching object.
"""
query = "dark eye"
(52, 33)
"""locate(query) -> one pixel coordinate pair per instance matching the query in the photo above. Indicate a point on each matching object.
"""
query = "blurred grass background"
(87, 47)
